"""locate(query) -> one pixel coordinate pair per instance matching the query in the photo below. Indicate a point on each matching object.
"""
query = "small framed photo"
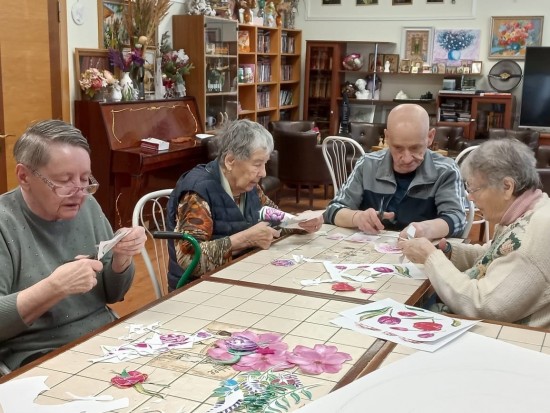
(434, 68)
(393, 60)
(441, 68)
(466, 70)
(414, 69)
(476, 67)
(405, 66)
(459, 69)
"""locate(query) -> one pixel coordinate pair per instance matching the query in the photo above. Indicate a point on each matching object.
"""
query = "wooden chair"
(149, 212)
(340, 155)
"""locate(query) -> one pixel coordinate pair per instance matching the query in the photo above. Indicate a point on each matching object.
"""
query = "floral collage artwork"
(403, 324)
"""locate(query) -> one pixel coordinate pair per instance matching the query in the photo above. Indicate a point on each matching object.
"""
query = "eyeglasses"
(471, 190)
(67, 191)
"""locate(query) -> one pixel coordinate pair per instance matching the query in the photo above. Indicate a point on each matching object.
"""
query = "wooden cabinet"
(476, 113)
(211, 43)
(325, 77)
(268, 73)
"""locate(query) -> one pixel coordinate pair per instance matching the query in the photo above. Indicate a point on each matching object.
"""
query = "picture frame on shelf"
(441, 67)
(90, 58)
(476, 67)
(150, 70)
(361, 113)
(405, 66)
(110, 17)
(379, 63)
(393, 58)
(435, 68)
(416, 43)
(511, 35)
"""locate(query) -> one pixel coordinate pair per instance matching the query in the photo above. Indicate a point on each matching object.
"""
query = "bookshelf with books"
(274, 92)
(476, 113)
(325, 77)
(212, 81)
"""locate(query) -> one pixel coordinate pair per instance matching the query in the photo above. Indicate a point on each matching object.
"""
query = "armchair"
(301, 159)
(291, 125)
(450, 138)
(367, 134)
(527, 136)
(271, 184)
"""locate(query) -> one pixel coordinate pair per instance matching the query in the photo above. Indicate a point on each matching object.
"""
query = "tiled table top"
(190, 374)
(257, 267)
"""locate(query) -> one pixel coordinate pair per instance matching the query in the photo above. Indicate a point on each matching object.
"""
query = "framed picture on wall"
(110, 24)
(90, 58)
(366, 2)
(416, 43)
(401, 2)
(476, 67)
(330, 2)
(511, 35)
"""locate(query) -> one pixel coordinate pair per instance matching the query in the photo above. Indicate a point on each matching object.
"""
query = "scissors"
(105, 246)
(380, 213)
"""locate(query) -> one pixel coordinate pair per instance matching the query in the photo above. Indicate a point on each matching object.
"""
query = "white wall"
(382, 22)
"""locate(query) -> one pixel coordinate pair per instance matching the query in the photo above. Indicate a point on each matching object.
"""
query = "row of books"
(286, 72)
(264, 42)
(489, 119)
(320, 87)
(264, 70)
(264, 120)
(321, 59)
(263, 96)
(287, 43)
(285, 97)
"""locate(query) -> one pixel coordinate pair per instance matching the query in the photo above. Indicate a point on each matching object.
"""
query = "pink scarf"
(523, 203)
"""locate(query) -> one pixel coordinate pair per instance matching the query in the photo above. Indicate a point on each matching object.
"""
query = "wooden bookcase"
(476, 113)
(273, 54)
(211, 43)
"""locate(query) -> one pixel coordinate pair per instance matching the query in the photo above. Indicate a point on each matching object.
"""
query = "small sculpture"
(387, 66)
(199, 7)
(362, 92)
(401, 95)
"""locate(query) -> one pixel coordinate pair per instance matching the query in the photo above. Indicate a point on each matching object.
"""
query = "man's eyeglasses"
(471, 190)
(67, 191)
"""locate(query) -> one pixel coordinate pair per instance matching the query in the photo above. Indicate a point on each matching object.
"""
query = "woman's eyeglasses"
(67, 191)
(471, 190)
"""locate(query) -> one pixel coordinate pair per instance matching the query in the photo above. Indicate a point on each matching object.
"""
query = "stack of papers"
(403, 324)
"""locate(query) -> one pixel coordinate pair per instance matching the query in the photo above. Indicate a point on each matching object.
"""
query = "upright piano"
(114, 131)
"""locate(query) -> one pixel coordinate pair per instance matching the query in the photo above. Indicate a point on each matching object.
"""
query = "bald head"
(408, 135)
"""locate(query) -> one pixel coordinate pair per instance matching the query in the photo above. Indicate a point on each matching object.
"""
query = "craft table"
(218, 307)
(257, 269)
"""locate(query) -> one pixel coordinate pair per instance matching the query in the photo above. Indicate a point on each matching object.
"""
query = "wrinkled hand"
(312, 225)
(132, 243)
(368, 222)
(417, 250)
(76, 277)
(261, 235)
(421, 230)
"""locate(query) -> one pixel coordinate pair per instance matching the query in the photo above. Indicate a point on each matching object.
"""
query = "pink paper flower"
(230, 350)
(263, 361)
(128, 379)
(320, 359)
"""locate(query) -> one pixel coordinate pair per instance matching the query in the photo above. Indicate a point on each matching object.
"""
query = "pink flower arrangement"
(514, 32)
(93, 80)
(247, 351)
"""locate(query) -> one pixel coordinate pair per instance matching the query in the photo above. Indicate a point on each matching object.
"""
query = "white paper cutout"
(362, 237)
(27, 390)
(105, 246)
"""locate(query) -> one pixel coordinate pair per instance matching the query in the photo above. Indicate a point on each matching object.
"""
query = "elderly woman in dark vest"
(219, 203)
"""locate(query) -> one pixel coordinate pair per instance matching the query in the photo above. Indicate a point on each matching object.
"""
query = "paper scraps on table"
(342, 272)
(403, 324)
(28, 389)
(140, 329)
(280, 262)
(387, 248)
(337, 236)
(368, 290)
(159, 343)
(257, 391)
(361, 237)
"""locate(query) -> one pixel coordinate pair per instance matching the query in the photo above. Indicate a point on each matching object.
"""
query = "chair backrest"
(149, 212)
(291, 125)
(367, 134)
(340, 154)
(470, 215)
(527, 136)
(460, 157)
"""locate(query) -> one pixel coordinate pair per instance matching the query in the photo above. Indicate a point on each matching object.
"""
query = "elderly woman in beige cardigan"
(507, 279)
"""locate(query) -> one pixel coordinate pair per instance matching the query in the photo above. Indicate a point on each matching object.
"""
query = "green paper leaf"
(307, 393)
(372, 313)
(139, 387)
(295, 397)
(456, 323)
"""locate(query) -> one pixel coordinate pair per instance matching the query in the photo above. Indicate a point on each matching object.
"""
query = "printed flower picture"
(510, 36)
(452, 46)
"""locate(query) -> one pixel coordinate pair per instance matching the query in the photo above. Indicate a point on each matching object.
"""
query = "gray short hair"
(241, 138)
(497, 159)
(32, 148)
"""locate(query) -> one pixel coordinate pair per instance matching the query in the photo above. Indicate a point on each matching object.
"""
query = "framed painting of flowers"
(453, 45)
(510, 36)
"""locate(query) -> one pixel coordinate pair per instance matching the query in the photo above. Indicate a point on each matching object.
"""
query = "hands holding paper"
(368, 221)
(130, 245)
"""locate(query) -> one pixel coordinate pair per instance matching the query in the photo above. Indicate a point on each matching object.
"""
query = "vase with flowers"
(175, 64)
(454, 41)
(94, 83)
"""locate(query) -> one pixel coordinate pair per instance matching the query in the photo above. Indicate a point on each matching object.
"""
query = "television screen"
(535, 97)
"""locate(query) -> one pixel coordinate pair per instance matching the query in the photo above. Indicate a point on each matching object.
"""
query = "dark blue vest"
(205, 180)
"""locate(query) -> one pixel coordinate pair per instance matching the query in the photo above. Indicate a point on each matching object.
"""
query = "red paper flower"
(342, 287)
(129, 379)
